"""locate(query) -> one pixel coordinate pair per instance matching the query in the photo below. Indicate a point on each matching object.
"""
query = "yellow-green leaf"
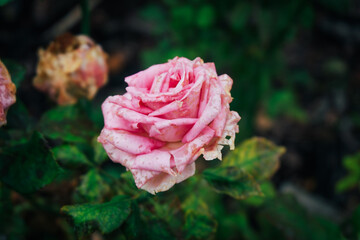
(257, 156)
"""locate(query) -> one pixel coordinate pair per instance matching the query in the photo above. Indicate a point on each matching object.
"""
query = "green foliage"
(70, 156)
(233, 181)
(105, 217)
(199, 224)
(242, 170)
(100, 154)
(28, 167)
(352, 164)
(69, 123)
(92, 187)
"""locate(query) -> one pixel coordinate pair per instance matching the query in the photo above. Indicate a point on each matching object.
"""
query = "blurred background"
(296, 71)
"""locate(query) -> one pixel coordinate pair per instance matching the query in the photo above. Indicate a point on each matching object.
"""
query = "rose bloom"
(71, 67)
(171, 114)
(7, 93)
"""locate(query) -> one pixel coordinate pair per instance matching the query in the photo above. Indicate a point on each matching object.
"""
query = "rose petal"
(131, 143)
(184, 154)
(211, 110)
(144, 79)
(219, 122)
(117, 155)
(163, 182)
(231, 128)
(111, 119)
(154, 161)
(125, 102)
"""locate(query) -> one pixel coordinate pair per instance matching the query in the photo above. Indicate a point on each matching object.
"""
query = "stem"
(85, 22)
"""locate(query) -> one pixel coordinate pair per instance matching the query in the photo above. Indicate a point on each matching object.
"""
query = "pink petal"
(171, 130)
(128, 142)
(156, 160)
(167, 108)
(226, 82)
(231, 128)
(129, 104)
(163, 182)
(117, 155)
(219, 122)
(184, 154)
(158, 83)
(111, 119)
(211, 110)
(144, 79)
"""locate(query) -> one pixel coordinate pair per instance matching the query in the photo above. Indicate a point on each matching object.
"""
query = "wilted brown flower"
(7, 93)
(70, 68)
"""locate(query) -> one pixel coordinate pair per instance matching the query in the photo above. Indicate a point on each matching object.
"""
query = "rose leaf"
(70, 156)
(105, 217)
(232, 181)
(199, 224)
(92, 187)
(28, 167)
(68, 123)
(257, 156)
(99, 152)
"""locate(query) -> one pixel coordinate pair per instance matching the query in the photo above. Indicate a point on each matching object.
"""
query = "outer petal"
(185, 154)
(213, 150)
(117, 155)
(112, 120)
(163, 182)
(156, 160)
(128, 142)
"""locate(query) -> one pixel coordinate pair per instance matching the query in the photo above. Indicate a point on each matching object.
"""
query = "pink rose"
(71, 67)
(171, 114)
(7, 93)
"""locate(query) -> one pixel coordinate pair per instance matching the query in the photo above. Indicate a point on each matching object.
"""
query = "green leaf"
(28, 167)
(352, 164)
(233, 181)
(100, 154)
(257, 156)
(105, 217)
(70, 156)
(199, 224)
(92, 187)
(16, 70)
(267, 189)
(69, 123)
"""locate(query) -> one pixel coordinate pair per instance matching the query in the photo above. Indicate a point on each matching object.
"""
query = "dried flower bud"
(7, 93)
(70, 68)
